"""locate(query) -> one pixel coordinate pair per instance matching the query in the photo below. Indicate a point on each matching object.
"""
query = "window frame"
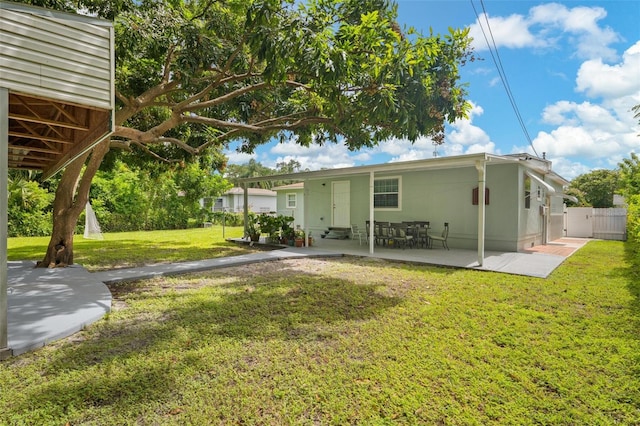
(399, 194)
(295, 200)
(527, 192)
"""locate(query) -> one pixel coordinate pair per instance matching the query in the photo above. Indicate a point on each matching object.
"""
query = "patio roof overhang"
(477, 161)
(458, 161)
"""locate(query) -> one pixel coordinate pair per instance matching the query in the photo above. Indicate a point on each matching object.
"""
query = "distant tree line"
(235, 172)
(125, 195)
(132, 195)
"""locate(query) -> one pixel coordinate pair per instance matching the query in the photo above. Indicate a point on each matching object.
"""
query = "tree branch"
(153, 154)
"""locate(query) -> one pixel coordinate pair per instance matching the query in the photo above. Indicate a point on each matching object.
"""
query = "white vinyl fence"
(605, 224)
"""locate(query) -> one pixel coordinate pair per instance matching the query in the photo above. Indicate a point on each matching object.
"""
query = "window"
(527, 192)
(292, 201)
(386, 193)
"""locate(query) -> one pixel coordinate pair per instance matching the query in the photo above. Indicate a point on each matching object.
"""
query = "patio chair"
(357, 232)
(422, 234)
(401, 235)
(383, 233)
(442, 237)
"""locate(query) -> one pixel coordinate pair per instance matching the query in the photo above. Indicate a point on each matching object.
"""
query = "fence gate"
(605, 224)
(610, 224)
(579, 222)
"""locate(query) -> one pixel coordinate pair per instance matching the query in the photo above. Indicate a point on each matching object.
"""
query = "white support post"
(305, 214)
(4, 179)
(245, 209)
(481, 166)
(371, 213)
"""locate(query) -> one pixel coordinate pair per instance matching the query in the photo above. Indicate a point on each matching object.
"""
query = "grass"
(349, 341)
(129, 249)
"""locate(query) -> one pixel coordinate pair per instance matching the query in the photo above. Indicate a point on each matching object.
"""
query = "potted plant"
(270, 225)
(287, 233)
(253, 228)
(299, 238)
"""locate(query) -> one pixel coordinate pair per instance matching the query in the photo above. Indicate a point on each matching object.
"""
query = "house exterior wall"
(298, 212)
(437, 196)
(232, 202)
(257, 203)
(544, 218)
(57, 56)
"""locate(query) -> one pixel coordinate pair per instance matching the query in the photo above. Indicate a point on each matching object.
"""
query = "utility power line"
(493, 49)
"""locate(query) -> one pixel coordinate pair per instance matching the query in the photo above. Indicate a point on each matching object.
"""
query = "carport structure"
(56, 100)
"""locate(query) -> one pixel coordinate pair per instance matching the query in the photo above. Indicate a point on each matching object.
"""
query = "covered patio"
(539, 261)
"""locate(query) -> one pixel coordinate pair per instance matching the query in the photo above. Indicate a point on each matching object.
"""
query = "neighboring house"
(259, 201)
(523, 205)
(291, 202)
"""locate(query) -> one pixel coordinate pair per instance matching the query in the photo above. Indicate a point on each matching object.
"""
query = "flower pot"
(299, 242)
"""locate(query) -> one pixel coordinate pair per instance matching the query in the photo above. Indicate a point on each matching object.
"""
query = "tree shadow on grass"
(153, 348)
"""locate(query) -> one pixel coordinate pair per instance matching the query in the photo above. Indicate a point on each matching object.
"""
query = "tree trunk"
(71, 197)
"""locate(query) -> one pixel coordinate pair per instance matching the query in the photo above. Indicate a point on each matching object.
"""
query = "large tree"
(597, 187)
(193, 75)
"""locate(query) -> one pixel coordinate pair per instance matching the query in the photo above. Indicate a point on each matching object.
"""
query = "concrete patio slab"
(48, 304)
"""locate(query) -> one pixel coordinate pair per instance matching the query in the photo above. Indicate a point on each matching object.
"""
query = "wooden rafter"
(44, 134)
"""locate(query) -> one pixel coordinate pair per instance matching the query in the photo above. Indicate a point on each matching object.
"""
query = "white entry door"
(341, 203)
(580, 222)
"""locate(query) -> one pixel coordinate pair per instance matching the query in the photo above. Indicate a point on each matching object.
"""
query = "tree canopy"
(191, 75)
(195, 75)
(597, 187)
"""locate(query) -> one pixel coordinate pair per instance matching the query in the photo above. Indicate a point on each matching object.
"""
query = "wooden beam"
(100, 128)
(32, 148)
(46, 121)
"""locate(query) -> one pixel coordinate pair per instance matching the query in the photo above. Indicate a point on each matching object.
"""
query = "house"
(258, 201)
(494, 202)
(290, 202)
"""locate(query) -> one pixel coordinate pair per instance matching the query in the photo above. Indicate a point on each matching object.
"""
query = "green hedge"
(633, 230)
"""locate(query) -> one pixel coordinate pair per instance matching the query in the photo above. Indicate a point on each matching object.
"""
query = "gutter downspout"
(481, 166)
(371, 213)
(5, 352)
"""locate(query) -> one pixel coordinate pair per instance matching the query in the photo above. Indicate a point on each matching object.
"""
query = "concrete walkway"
(49, 304)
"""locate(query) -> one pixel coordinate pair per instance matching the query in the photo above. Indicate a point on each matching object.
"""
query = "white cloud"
(315, 157)
(545, 26)
(236, 157)
(512, 32)
(581, 24)
(568, 169)
(462, 137)
(596, 78)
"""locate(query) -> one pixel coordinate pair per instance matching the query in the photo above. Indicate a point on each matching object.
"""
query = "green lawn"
(349, 341)
(129, 249)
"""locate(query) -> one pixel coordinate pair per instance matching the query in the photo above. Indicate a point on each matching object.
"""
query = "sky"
(573, 69)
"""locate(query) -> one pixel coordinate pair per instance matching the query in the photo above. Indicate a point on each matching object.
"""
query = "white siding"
(56, 56)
